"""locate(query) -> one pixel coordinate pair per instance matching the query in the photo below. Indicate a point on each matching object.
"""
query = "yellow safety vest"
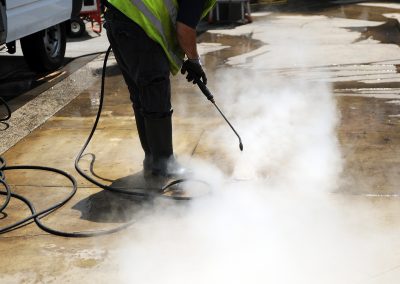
(158, 19)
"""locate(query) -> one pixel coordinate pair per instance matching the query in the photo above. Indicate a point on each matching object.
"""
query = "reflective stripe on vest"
(172, 11)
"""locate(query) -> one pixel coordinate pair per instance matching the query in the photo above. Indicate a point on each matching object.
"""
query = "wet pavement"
(314, 90)
(16, 79)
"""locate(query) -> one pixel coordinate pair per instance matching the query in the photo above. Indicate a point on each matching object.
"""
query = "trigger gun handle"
(205, 91)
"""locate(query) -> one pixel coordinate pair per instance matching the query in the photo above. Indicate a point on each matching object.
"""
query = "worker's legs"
(146, 71)
(132, 86)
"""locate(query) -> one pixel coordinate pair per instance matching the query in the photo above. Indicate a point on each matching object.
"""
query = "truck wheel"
(76, 27)
(45, 50)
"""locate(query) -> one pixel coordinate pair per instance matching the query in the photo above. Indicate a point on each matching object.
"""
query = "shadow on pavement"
(110, 207)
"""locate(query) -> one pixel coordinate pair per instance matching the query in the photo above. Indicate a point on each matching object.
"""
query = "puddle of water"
(237, 45)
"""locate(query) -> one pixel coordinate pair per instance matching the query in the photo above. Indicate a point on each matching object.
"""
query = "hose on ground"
(36, 216)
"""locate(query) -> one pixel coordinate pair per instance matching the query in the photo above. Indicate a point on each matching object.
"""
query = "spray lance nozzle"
(210, 97)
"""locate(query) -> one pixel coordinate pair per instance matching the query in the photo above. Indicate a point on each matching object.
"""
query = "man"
(150, 39)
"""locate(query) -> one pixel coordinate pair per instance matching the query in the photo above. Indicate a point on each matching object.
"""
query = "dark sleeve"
(190, 12)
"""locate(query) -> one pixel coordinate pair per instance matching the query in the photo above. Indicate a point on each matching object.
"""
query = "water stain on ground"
(369, 126)
(235, 45)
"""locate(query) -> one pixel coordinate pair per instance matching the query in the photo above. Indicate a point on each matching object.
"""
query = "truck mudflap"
(3, 22)
(76, 8)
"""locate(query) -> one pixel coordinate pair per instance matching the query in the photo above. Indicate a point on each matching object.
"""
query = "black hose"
(3, 162)
(5, 185)
(8, 115)
(37, 216)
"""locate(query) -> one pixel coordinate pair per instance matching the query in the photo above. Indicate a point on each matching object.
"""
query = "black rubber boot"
(159, 138)
(141, 128)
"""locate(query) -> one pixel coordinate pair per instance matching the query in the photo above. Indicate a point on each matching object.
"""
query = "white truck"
(40, 25)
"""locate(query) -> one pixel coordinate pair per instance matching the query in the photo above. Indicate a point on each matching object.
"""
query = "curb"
(37, 111)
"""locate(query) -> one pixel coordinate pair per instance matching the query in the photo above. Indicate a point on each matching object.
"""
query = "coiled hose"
(37, 216)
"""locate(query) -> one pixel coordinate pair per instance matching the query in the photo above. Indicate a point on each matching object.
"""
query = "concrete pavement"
(312, 199)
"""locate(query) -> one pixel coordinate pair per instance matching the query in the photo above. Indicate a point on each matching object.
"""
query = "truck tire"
(76, 27)
(45, 50)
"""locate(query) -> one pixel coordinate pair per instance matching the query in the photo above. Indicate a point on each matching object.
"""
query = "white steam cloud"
(267, 227)
(273, 215)
(288, 127)
(275, 219)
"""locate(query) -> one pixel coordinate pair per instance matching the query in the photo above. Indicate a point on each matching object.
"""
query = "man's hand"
(194, 71)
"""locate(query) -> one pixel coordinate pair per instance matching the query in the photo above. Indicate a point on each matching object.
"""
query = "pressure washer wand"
(210, 97)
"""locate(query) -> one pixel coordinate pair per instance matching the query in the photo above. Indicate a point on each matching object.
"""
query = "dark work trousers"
(143, 64)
